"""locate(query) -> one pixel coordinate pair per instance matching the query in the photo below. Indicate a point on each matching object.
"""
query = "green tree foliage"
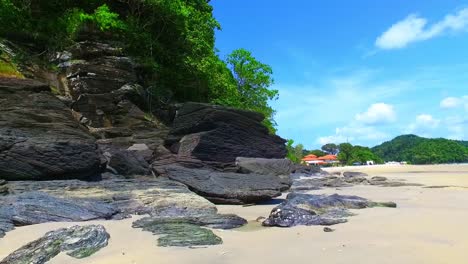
(350, 154)
(174, 41)
(345, 154)
(253, 81)
(419, 150)
(295, 153)
(330, 148)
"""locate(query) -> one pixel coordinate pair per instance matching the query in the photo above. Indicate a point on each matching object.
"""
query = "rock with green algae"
(187, 230)
(175, 233)
(77, 241)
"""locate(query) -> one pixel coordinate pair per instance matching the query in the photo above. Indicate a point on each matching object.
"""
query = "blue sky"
(358, 71)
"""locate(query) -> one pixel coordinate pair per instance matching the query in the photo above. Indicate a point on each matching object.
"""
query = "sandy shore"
(429, 226)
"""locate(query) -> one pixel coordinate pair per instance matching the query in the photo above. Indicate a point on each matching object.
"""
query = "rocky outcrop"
(129, 163)
(276, 167)
(36, 207)
(39, 139)
(310, 209)
(219, 134)
(77, 241)
(170, 205)
(129, 196)
(301, 183)
(101, 84)
(228, 187)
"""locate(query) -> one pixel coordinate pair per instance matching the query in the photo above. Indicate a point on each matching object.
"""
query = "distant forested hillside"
(419, 150)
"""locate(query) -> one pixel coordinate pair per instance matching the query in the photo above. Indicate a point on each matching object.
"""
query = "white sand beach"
(429, 226)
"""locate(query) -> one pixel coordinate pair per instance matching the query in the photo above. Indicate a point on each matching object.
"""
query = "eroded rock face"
(77, 242)
(39, 139)
(129, 163)
(102, 84)
(310, 209)
(228, 187)
(277, 167)
(220, 134)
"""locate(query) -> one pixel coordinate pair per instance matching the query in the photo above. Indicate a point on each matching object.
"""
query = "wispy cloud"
(455, 102)
(423, 125)
(415, 28)
(356, 133)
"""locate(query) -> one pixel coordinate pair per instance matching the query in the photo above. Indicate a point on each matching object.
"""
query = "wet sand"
(429, 226)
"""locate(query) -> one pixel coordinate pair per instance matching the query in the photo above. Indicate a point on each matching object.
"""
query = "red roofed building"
(314, 160)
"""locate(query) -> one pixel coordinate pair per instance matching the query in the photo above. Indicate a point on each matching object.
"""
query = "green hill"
(419, 150)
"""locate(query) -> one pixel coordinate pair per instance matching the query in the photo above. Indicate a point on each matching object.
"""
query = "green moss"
(383, 204)
(83, 252)
(54, 90)
(180, 233)
(9, 70)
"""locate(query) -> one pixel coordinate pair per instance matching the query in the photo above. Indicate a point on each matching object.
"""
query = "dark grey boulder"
(228, 187)
(310, 209)
(39, 138)
(129, 163)
(303, 170)
(220, 134)
(77, 241)
(276, 167)
(31, 208)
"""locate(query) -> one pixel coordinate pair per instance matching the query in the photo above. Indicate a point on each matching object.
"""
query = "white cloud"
(363, 128)
(457, 126)
(450, 102)
(355, 133)
(377, 114)
(423, 124)
(455, 102)
(414, 28)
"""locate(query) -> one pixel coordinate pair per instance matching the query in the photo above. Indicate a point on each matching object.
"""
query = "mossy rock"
(174, 233)
(8, 69)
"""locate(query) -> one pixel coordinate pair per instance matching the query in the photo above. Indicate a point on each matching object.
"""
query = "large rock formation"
(219, 134)
(77, 241)
(162, 199)
(310, 209)
(35, 207)
(228, 187)
(39, 139)
(102, 85)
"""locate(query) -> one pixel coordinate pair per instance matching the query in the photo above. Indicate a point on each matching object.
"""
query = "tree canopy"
(419, 150)
(349, 154)
(173, 40)
(330, 148)
(295, 153)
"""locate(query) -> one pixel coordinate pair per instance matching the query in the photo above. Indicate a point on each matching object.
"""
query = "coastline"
(427, 227)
